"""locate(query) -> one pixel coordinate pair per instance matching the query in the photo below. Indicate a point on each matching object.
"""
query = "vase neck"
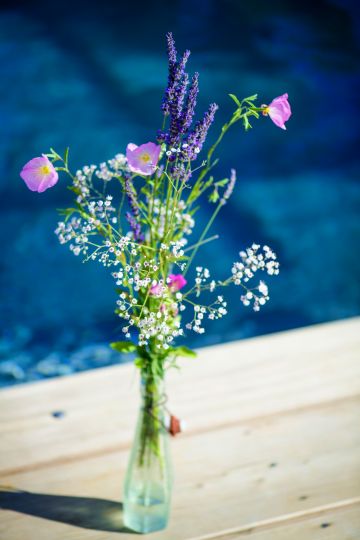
(153, 396)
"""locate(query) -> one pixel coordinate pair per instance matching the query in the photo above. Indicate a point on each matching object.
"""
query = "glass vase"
(148, 480)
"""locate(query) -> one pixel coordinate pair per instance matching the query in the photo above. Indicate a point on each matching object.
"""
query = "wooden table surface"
(272, 449)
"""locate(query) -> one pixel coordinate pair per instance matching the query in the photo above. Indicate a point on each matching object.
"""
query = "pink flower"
(176, 282)
(279, 110)
(143, 159)
(39, 174)
(156, 290)
(172, 309)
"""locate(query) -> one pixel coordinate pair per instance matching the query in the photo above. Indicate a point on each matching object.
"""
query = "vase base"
(146, 518)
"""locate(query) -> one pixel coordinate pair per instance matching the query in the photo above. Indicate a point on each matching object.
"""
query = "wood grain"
(272, 449)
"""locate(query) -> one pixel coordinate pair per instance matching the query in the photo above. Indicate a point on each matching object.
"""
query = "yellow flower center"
(145, 158)
(265, 111)
(44, 169)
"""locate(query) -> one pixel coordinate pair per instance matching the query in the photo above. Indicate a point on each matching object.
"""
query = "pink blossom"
(39, 174)
(176, 282)
(156, 290)
(143, 159)
(173, 309)
(279, 110)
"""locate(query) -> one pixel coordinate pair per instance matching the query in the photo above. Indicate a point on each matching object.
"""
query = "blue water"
(93, 79)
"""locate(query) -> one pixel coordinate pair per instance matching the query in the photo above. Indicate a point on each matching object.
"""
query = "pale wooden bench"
(272, 449)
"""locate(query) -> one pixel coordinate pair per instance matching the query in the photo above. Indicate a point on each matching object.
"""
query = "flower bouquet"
(134, 214)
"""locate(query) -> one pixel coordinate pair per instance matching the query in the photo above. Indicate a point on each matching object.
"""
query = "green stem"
(152, 415)
(204, 233)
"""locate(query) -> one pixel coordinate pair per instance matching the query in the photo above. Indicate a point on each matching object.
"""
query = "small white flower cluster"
(173, 150)
(202, 276)
(258, 301)
(252, 260)
(78, 230)
(100, 210)
(119, 162)
(73, 230)
(177, 248)
(109, 253)
(160, 325)
(174, 250)
(82, 182)
(185, 222)
(138, 275)
(113, 167)
(214, 311)
(174, 212)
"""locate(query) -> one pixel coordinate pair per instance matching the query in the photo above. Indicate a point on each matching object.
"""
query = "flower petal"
(279, 110)
(143, 159)
(39, 174)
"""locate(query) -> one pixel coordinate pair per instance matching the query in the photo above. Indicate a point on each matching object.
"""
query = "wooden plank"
(271, 352)
(254, 475)
(227, 384)
(341, 523)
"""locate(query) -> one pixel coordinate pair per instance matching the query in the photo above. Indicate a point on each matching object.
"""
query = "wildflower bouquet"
(134, 214)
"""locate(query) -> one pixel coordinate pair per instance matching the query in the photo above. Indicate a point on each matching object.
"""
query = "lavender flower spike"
(135, 227)
(172, 55)
(176, 107)
(171, 49)
(187, 115)
(206, 122)
(196, 138)
(133, 216)
(230, 187)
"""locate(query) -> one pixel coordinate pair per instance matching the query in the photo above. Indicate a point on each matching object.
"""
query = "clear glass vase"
(148, 480)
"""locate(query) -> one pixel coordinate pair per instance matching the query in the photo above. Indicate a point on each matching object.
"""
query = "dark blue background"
(92, 77)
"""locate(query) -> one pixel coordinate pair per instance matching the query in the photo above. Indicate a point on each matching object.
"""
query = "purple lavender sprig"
(135, 227)
(180, 106)
(172, 55)
(133, 217)
(193, 143)
(180, 172)
(230, 187)
(176, 107)
(185, 119)
(177, 81)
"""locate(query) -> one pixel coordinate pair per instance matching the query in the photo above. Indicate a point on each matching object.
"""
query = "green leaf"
(123, 346)
(237, 115)
(251, 98)
(55, 155)
(208, 183)
(183, 351)
(141, 350)
(221, 183)
(247, 124)
(139, 362)
(214, 196)
(66, 157)
(234, 98)
(194, 210)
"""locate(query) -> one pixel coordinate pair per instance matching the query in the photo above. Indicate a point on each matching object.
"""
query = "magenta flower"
(39, 174)
(279, 110)
(143, 159)
(176, 282)
(156, 290)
